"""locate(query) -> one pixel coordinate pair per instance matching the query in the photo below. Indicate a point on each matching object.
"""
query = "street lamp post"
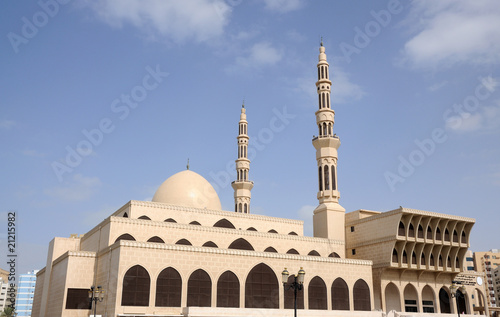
(457, 292)
(95, 295)
(297, 285)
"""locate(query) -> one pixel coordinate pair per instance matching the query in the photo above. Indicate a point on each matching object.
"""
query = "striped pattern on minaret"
(326, 143)
(242, 186)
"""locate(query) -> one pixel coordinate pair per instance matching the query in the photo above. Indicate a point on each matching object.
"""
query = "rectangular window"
(353, 251)
(411, 306)
(352, 228)
(78, 298)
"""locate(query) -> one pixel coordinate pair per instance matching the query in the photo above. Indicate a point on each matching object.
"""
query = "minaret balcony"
(325, 136)
(324, 142)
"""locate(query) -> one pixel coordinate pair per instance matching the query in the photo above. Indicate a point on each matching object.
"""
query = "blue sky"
(137, 87)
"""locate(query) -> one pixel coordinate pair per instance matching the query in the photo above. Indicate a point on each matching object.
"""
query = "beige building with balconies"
(182, 255)
(485, 262)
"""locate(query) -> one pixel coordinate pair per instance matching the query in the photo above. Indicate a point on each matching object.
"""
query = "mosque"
(182, 255)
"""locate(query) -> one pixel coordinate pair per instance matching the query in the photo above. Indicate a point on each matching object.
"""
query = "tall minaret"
(329, 215)
(242, 186)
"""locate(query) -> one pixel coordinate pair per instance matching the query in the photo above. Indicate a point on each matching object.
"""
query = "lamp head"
(284, 276)
(300, 276)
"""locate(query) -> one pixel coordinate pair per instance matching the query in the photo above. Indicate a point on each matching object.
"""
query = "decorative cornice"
(80, 254)
(237, 232)
(403, 210)
(222, 213)
(193, 249)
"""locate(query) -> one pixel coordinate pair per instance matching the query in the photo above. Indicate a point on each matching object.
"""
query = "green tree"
(7, 312)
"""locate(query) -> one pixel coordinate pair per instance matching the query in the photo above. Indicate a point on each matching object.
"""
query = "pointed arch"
(429, 233)
(405, 257)
(334, 255)
(195, 223)
(455, 236)
(272, 231)
(125, 236)
(125, 215)
(245, 208)
(395, 256)
(340, 295)
(292, 251)
(438, 233)
(413, 258)
(199, 292)
(261, 288)
(392, 298)
(168, 288)
(428, 301)
(224, 223)
(313, 253)
(320, 179)
(411, 231)
(228, 290)
(446, 235)
(170, 220)
(156, 239)
(209, 244)
(334, 178)
(241, 244)
(464, 238)
(183, 242)
(239, 207)
(270, 249)
(422, 259)
(292, 233)
(444, 301)
(431, 261)
(361, 296)
(410, 299)
(327, 178)
(251, 229)
(401, 229)
(144, 217)
(420, 232)
(136, 284)
(316, 292)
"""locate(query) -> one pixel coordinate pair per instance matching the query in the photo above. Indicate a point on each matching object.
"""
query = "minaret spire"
(242, 186)
(329, 215)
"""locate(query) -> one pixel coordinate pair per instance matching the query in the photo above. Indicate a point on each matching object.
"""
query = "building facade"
(485, 262)
(25, 294)
(181, 254)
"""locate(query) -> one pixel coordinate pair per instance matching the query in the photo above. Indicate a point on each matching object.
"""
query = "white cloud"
(283, 6)
(305, 213)
(7, 124)
(78, 189)
(453, 31)
(259, 55)
(486, 119)
(178, 21)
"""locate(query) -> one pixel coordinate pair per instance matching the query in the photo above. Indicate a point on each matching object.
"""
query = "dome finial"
(321, 42)
(187, 166)
(243, 104)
